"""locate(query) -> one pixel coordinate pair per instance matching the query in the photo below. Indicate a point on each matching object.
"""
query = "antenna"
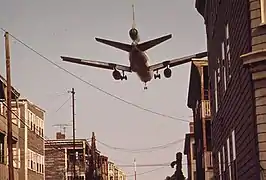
(133, 11)
(62, 126)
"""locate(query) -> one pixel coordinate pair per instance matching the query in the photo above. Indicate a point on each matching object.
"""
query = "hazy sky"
(65, 27)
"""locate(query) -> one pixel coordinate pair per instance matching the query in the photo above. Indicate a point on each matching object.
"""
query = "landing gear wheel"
(145, 86)
(125, 77)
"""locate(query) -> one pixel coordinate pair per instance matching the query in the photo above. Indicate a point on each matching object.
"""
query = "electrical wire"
(94, 86)
(141, 150)
(146, 172)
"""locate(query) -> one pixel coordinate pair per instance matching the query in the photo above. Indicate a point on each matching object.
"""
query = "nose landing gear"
(145, 86)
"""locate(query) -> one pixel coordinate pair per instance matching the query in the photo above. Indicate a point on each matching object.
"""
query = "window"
(14, 115)
(194, 151)
(224, 66)
(223, 159)
(234, 168)
(218, 70)
(215, 91)
(228, 57)
(206, 82)
(263, 11)
(229, 159)
(2, 111)
(220, 164)
(29, 158)
(208, 135)
(2, 148)
(37, 121)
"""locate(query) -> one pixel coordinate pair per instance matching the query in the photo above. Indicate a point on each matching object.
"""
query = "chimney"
(191, 126)
(59, 135)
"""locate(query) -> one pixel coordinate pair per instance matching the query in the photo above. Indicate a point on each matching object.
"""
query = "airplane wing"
(98, 64)
(176, 62)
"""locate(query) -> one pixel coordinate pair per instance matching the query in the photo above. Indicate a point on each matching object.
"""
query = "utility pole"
(94, 163)
(74, 148)
(9, 108)
(135, 169)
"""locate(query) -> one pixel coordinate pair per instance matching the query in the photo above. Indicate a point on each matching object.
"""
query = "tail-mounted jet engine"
(167, 72)
(118, 76)
(134, 35)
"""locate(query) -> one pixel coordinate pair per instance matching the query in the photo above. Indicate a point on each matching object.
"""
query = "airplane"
(138, 59)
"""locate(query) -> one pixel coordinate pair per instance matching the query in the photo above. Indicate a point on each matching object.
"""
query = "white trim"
(234, 144)
(263, 13)
(219, 163)
(229, 159)
(215, 91)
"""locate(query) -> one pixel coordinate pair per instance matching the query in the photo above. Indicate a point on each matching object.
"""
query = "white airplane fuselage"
(140, 65)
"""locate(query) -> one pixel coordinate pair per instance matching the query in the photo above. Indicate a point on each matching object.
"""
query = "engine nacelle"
(117, 75)
(167, 72)
(134, 35)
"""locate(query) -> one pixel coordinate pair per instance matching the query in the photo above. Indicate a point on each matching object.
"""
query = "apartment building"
(115, 173)
(119, 174)
(199, 102)
(31, 140)
(236, 44)
(59, 158)
(190, 152)
(3, 132)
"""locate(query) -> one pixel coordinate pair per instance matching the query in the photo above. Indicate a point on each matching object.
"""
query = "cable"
(146, 172)
(150, 149)
(94, 86)
(148, 165)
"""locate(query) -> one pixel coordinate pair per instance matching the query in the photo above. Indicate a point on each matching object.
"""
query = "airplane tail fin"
(151, 43)
(119, 45)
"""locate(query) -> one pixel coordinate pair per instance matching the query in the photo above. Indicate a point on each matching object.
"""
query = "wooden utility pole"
(74, 147)
(135, 169)
(9, 108)
(94, 163)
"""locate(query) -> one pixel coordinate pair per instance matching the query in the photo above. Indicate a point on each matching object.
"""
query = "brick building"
(190, 152)
(3, 133)
(236, 41)
(59, 157)
(31, 141)
(114, 173)
(198, 101)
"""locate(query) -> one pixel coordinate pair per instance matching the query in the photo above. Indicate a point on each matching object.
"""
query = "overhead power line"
(140, 150)
(94, 86)
(146, 172)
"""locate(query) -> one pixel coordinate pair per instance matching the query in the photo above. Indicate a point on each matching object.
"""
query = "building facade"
(115, 173)
(199, 102)
(190, 152)
(236, 44)
(31, 140)
(59, 156)
(3, 133)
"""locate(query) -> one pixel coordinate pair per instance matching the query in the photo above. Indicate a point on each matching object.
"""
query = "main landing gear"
(157, 75)
(123, 77)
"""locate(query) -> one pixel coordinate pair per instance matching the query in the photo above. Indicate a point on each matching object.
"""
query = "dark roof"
(15, 94)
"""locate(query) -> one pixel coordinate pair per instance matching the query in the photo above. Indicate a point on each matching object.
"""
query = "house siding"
(258, 32)
(236, 103)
